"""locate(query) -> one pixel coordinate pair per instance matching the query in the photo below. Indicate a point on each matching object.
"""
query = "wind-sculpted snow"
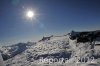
(52, 51)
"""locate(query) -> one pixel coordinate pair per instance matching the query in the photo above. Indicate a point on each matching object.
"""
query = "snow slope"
(1, 61)
(45, 52)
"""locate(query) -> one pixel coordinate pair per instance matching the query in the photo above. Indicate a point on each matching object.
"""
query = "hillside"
(53, 51)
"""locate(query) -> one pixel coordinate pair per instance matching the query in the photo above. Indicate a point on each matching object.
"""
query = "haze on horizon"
(51, 17)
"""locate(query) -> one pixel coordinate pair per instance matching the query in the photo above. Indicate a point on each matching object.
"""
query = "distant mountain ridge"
(12, 50)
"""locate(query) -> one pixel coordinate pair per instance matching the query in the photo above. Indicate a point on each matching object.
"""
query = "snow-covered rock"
(53, 50)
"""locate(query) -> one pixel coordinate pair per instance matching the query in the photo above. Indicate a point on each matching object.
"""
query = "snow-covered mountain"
(52, 51)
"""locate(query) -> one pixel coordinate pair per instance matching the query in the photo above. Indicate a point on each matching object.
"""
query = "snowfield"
(51, 51)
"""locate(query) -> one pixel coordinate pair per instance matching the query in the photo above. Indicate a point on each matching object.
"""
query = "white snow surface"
(60, 47)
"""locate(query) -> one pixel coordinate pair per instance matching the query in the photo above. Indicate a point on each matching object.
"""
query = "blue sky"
(55, 17)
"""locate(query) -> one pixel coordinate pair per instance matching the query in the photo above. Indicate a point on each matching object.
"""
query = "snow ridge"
(59, 47)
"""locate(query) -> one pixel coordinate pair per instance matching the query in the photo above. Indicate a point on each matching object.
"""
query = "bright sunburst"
(30, 14)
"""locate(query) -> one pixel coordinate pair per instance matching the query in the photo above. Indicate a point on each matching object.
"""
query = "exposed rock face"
(86, 36)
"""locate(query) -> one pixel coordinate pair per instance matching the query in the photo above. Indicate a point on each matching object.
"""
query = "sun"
(30, 14)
